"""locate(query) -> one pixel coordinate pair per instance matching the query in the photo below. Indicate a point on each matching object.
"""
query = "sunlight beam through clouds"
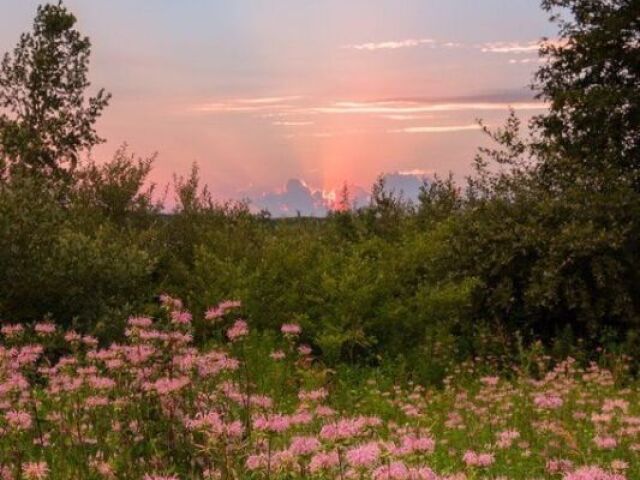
(261, 92)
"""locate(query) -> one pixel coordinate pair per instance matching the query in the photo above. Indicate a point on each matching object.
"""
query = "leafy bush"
(58, 262)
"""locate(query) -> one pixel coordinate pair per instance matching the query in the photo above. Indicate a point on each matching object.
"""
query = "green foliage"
(541, 250)
(591, 135)
(117, 188)
(546, 261)
(46, 121)
(355, 298)
(551, 228)
(67, 262)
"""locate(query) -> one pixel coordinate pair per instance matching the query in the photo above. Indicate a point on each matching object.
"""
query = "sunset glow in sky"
(258, 92)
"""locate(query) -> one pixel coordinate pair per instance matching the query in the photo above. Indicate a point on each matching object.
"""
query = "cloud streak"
(394, 109)
(398, 44)
(438, 129)
(291, 124)
(525, 61)
(409, 108)
(510, 47)
(294, 116)
(266, 100)
(518, 48)
(391, 45)
(247, 104)
(499, 47)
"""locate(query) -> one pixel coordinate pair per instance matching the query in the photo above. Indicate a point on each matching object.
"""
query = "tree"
(118, 188)
(439, 198)
(46, 121)
(344, 203)
(552, 229)
(591, 135)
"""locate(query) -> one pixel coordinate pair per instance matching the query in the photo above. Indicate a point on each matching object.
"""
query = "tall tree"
(46, 120)
(591, 135)
(552, 225)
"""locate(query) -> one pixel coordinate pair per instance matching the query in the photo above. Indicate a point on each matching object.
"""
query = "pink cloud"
(246, 104)
(438, 129)
(392, 45)
(517, 48)
(510, 47)
(408, 108)
(525, 61)
(291, 124)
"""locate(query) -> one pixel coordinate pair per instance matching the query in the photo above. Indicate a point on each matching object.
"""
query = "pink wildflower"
(164, 386)
(11, 331)
(592, 473)
(507, 437)
(238, 330)
(180, 317)
(313, 395)
(323, 461)
(394, 471)
(18, 420)
(291, 329)
(473, 459)
(221, 309)
(275, 423)
(490, 381)
(412, 444)
(277, 355)
(304, 350)
(605, 443)
(257, 462)
(72, 336)
(548, 401)
(304, 445)
(139, 322)
(363, 456)
(35, 470)
(44, 328)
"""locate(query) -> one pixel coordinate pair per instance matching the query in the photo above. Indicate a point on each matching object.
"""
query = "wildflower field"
(157, 408)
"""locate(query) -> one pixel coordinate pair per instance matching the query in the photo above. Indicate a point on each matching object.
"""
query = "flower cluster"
(157, 407)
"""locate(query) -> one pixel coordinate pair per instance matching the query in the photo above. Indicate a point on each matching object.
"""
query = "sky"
(285, 101)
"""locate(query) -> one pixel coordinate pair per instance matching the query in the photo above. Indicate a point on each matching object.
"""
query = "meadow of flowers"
(157, 408)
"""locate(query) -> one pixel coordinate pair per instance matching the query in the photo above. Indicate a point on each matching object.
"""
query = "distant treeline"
(542, 243)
